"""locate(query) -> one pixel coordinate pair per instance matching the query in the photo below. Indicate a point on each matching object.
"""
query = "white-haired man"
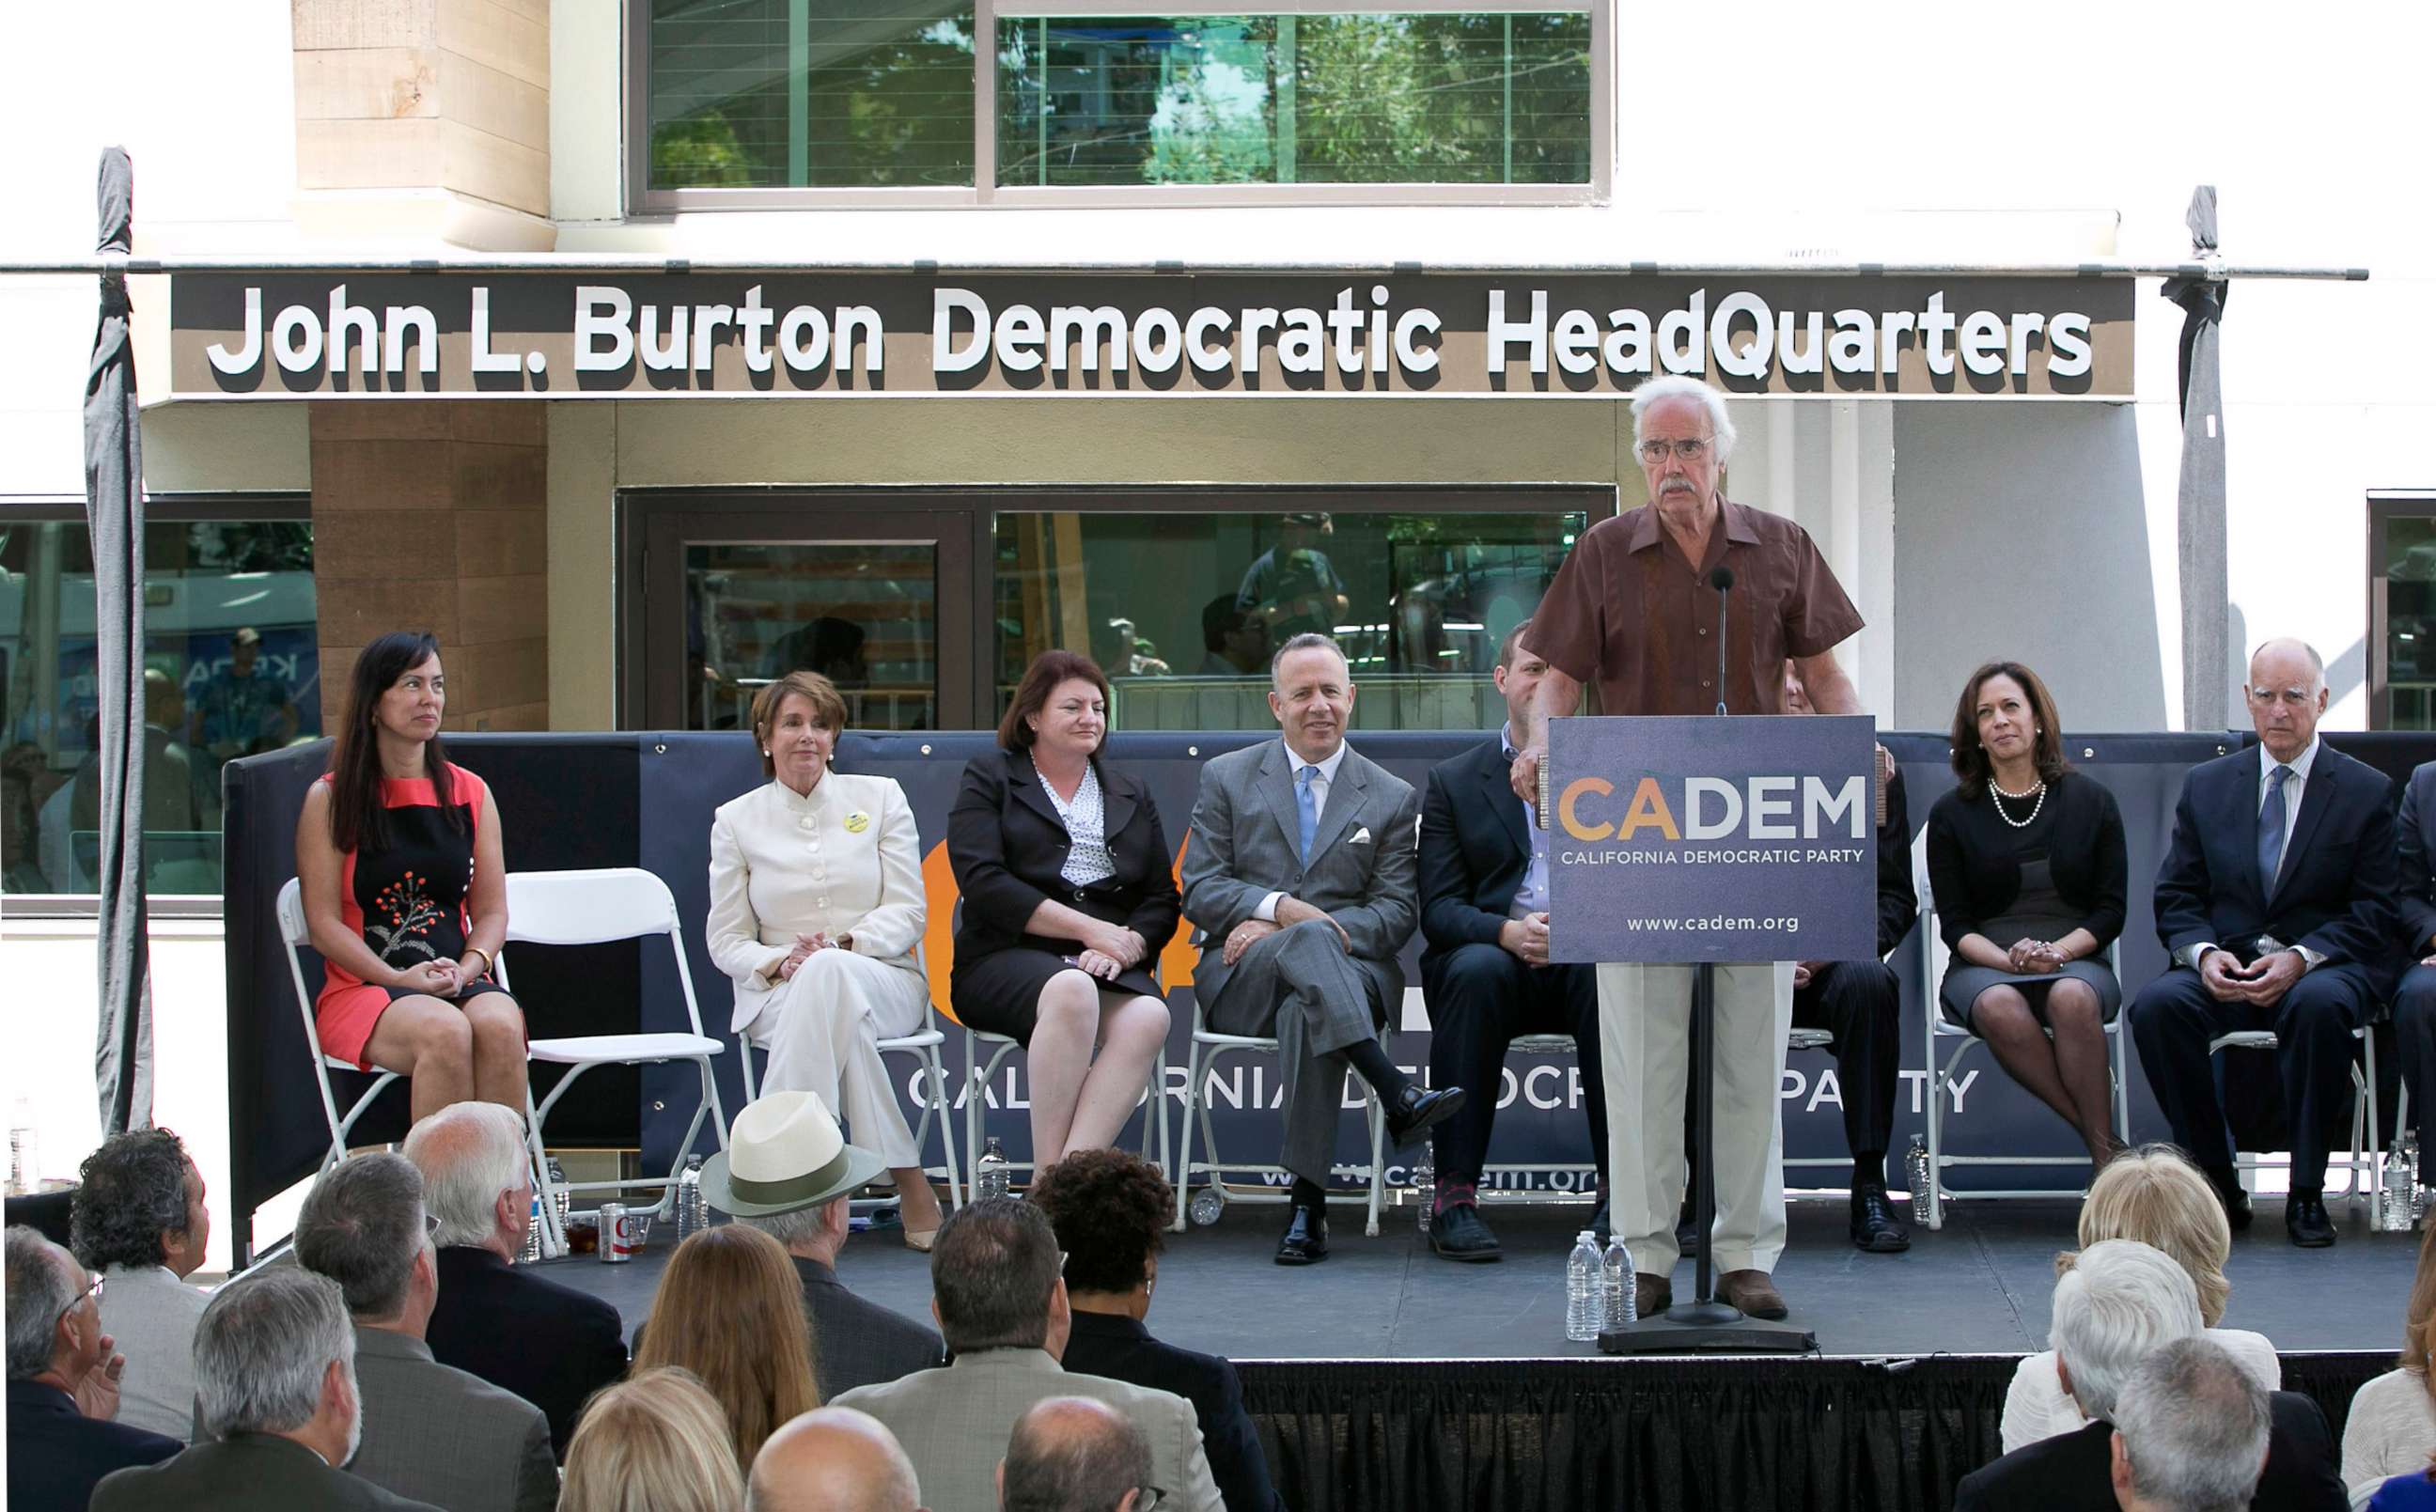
(276, 1403)
(2121, 1302)
(548, 1344)
(1632, 611)
(63, 1378)
(2190, 1431)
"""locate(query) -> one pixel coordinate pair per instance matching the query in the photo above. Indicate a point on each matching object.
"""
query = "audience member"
(277, 1411)
(62, 1381)
(1074, 1454)
(2190, 1431)
(2152, 1194)
(1003, 1308)
(1234, 639)
(786, 1149)
(2392, 1427)
(1298, 874)
(816, 909)
(834, 1459)
(1069, 889)
(1483, 864)
(1110, 1211)
(2414, 1491)
(2119, 1303)
(140, 1221)
(2278, 906)
(430, 1431)
(552, 1344)
(730, 1310)
(2027, 864)
(657, 1443)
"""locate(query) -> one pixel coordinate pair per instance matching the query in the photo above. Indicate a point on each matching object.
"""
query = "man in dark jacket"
(548, 1344)
(63, 1382)
(1110, 1211)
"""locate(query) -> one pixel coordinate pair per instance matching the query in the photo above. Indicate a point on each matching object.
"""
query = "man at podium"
(1636, 610)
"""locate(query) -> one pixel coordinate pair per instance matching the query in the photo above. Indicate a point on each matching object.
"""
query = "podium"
(1703, 841)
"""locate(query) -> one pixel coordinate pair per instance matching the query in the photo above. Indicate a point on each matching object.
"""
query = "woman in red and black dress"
(398, 853)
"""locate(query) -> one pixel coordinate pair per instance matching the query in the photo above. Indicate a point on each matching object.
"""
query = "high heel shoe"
(920, 1240)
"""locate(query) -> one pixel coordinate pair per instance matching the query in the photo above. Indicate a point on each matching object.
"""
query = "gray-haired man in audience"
(1074, 1454)
(431, 1431)
(278, 1411)
(834, 1459)
(2190, 1431)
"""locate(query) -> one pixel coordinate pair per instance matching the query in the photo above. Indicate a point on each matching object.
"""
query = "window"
(755, 102)
(2402, 600)
(232, 667)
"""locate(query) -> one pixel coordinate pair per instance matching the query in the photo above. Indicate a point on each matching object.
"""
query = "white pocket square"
(1359, 836)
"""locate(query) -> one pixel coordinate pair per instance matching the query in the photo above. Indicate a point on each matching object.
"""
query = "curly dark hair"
(1110, 1210)
(133, 1188)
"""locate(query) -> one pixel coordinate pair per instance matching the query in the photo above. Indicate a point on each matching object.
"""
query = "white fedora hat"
(784, 1152)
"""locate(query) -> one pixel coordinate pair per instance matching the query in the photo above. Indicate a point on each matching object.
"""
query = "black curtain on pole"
(114, 503)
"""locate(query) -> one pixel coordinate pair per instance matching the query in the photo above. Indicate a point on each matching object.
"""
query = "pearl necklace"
(2040, 793)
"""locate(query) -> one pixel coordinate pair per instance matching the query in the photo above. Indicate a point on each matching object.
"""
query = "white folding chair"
(1208, 1045)
(2364, 1164)
(598, 907)
(294, 936)
(979, 1074)
(922, 1046)
(1933, 958)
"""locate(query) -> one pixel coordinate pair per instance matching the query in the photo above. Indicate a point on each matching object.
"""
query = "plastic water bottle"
(2398, 1198)
(532, 1231)
(24, 1151)
(1622, 1303)
(693, 1213)
(558, 1191)
(1425, 1186)
(1584, 1312)
(1923, 1182)
(2418, 1187)
(990, 1173)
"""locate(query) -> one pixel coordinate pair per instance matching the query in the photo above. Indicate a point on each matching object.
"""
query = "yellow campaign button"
(856, 822)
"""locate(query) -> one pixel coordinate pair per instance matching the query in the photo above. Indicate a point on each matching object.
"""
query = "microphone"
(1721, 579)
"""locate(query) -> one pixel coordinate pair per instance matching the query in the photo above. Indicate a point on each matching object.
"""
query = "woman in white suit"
(815, 908)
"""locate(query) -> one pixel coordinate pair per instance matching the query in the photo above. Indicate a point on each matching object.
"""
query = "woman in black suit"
(1068, 896)
(2026, 862)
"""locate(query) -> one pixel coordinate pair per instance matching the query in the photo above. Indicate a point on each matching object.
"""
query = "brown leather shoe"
(1651, 1295)
(1751, 1293)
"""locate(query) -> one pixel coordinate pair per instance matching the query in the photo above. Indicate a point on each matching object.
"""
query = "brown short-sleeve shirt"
(1631, 613)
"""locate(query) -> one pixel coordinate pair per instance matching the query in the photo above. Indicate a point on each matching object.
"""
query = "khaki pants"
(1646, 1051)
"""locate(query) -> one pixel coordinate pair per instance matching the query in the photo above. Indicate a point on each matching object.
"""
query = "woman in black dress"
(2026, 858)
(1069, 895)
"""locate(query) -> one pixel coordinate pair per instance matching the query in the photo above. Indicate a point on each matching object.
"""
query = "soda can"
(620, 1236)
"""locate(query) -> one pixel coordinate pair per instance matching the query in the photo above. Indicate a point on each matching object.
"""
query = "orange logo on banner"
(940, 895)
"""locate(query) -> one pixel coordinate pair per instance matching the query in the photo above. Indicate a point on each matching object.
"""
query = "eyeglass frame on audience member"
(1654, 451)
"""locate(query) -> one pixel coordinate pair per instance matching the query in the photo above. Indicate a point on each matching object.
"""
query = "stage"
(1389, 1378)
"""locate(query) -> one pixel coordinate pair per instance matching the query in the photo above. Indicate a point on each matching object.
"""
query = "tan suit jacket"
(844, 861)
(954, 1424)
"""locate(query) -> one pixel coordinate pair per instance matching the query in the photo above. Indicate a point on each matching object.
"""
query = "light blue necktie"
(2271, 831)
(1306, 806)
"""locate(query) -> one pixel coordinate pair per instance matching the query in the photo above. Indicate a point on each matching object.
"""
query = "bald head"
(2287, 693)
(1073, 1454)
(834, 1459)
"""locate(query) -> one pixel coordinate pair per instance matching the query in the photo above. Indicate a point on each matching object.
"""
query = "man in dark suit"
(2121, 1305)
(2276, 904)
(277, 1404)
(788, 1172)
(1299, 877)
(548, 1344)
(2414, 1003)
(63, 1382)
(1109, 1208)
(1485, 968)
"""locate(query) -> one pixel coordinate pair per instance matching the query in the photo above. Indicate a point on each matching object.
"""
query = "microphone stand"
(1705, 1325)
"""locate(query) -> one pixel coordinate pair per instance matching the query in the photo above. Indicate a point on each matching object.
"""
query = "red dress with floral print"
(407, 902)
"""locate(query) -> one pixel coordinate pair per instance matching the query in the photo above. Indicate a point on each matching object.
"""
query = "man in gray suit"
(278, 1411)
(996, 1290)
(1299, 876)
(431, 1431)
(796, 1173)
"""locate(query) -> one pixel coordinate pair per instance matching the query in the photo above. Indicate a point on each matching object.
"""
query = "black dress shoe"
(1874, 1228)
(1415, 1111)
(1305, 1238)
(2305, 1220)
(1687, 1229)
(1460, 1234)
(2237, 1213)
(1602, 1226)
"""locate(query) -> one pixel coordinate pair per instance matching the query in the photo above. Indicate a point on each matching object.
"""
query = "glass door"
(874, 597)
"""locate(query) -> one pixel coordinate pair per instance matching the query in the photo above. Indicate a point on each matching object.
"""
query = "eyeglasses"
(93, 1291)
(1151, 1496)
(430, 1227)
(1690, 449)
